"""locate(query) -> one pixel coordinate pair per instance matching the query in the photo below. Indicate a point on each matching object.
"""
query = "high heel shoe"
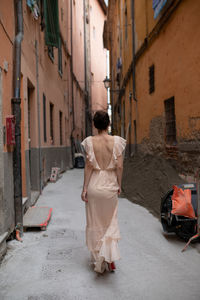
(111, 266)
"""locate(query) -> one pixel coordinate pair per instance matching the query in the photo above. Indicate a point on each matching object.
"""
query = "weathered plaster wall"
(98, 57)
(55, 86)
(7, 217)
(174, 52)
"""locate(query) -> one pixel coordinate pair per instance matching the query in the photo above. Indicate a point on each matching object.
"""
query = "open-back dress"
(102, 231)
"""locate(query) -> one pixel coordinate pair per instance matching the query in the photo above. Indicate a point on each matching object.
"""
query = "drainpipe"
(85, 73)
(38, 113)
(133, 46)
(133, 72)
(72, 88)
(16, 101)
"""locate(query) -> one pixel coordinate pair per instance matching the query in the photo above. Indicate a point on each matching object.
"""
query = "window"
(44, 118)
(60, 69)
(51, 52)
(160, 6)
(51, 123)
(151, 79)
(51, 23)
(170, 119)
(61, 129)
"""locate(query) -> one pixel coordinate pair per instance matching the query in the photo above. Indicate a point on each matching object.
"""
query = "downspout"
(134, 72)
(111, 93)
(72, 83)
(38, 114)
(72, 69)
(133, 46)
(16, 101)
(85, 73)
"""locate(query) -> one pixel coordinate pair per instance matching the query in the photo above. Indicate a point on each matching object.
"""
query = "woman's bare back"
(103, 149)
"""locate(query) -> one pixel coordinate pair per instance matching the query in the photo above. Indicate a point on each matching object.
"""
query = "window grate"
(170, 120)
(151, 79)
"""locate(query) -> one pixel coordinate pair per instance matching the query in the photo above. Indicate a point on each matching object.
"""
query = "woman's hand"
(84, 195)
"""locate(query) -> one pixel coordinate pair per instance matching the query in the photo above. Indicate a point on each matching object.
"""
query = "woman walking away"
(102, 184)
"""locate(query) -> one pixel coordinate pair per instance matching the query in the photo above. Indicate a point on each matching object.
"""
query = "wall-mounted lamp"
(107, 83)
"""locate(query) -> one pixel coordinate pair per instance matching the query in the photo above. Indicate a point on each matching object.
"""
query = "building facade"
(154, 77)
(52, 89)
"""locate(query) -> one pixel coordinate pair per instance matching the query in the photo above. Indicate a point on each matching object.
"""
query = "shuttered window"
(60, 69)
(151, 79)
(51, 23)
(51, 53)
(170, 120)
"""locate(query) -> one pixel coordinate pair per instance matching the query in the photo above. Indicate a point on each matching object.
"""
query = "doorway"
(30, 97)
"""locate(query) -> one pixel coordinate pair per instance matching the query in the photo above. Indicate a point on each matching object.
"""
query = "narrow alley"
(54, 264)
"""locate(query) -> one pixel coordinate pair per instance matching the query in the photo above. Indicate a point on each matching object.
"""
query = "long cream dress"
(102, 231)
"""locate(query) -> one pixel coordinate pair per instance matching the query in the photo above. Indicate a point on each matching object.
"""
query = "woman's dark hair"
(101, 120)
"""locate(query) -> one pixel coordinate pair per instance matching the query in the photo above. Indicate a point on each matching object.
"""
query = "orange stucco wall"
(54, 86)
(174, 52)
(40, 76)
(176, 58)
(98, 57)
(6, 54)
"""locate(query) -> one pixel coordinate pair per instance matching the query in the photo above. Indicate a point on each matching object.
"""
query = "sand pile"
(146, 179)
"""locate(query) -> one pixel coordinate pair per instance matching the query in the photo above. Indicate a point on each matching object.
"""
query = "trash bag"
(79, 161)
(184, 227)
(181, 203)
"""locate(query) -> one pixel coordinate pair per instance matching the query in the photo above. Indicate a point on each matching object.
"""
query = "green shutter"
(51, 23)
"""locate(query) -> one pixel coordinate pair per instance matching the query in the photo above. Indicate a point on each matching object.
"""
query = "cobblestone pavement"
(55, 265)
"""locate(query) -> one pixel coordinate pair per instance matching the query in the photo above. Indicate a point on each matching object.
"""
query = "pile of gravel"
(146, 179)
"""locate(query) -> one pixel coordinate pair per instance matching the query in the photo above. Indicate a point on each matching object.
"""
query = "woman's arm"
(119, 171)
(87, 174)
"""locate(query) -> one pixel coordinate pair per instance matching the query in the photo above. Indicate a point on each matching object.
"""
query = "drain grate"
(59, 254)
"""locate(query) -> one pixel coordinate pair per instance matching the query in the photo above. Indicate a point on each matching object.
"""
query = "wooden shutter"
(51, 23)
(170, 119)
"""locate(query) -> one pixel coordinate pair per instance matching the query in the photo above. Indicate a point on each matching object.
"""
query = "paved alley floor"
(54, 264)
